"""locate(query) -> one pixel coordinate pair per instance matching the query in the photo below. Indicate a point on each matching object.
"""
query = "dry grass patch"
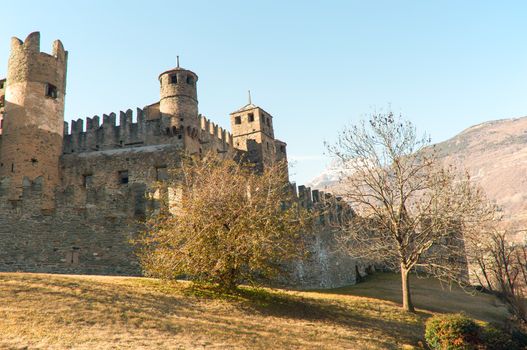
(40, 311)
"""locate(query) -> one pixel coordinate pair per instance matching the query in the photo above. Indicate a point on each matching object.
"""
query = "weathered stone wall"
(89, 239)
(91, 229)
(325, 265)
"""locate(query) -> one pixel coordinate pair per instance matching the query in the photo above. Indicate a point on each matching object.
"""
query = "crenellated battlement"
(32, 45)
(131, 131)
(331, 209)
(211, 130)
(136, 130)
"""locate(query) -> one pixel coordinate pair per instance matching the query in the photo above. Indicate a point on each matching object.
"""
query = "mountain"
(495, 155)
(328, 178)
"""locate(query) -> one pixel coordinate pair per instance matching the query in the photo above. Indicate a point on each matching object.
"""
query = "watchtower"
(252, 132)
(33, 122)
(179, 105)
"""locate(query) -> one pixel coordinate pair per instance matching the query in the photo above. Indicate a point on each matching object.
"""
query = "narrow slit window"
(123, 177)
(51, 91)
(87, 180)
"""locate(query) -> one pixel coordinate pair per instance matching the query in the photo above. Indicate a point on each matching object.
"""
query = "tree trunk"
(407, 298)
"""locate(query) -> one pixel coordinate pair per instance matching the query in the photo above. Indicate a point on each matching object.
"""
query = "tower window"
(237, 120)
(123, 177)
(161, 173)
(173, 79)
(251, 117)
(51, 91)
(190, 80)
(1, 84)
(87, 180)
(268, 121)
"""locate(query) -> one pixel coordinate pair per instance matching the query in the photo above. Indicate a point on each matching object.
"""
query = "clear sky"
(314, 65)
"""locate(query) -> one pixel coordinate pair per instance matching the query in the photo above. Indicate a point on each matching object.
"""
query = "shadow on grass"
(274, 303)
(150, 304)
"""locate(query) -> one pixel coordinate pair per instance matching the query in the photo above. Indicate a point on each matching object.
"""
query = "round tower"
(33, 122)
(179, 105)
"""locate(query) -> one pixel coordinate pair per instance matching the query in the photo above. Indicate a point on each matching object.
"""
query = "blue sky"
(315, 65)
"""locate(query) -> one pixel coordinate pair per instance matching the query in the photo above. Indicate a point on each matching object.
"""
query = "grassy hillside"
(39, 311)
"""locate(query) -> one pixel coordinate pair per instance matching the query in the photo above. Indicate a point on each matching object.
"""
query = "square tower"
(253, 133)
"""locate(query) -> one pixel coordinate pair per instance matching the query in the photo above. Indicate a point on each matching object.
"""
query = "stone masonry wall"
(90, 239)
(91, 229)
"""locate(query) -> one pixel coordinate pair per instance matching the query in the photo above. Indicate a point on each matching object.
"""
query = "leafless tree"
(411, 210)
(499, 264)
(231, 224)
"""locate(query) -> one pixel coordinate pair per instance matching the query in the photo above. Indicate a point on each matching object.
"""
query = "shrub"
(497, 338)
(451, 332)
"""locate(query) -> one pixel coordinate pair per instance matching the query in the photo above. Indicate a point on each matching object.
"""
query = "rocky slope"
(495, 154)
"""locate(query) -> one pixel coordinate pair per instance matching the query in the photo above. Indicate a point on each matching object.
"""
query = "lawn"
(41, 311)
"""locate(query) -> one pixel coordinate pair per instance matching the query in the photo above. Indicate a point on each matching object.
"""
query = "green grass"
(40, 311)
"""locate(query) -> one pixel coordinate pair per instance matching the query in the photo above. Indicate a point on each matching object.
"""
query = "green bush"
(452, 332)
(497, 338)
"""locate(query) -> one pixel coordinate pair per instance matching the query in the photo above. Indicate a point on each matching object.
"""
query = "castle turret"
(33, 122)
(179, 105)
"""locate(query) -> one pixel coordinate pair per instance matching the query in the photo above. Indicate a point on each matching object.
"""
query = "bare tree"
(499, 264)
(412, 211)
(230, 225)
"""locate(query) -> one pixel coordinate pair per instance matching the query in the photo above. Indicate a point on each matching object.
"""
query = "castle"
(71, 198)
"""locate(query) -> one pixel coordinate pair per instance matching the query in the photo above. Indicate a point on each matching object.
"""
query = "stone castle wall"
(89, 239)
(91, 229)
